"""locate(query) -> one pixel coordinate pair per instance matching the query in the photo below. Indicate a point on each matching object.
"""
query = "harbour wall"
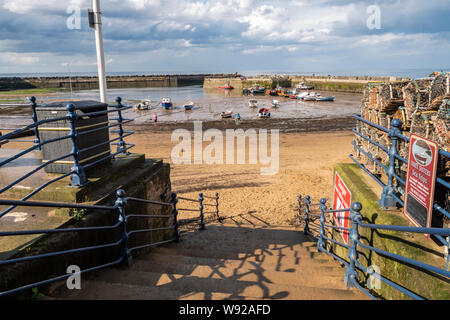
(352, 84)
(113, 82)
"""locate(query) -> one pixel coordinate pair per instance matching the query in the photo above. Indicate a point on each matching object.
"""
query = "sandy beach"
(305, 167)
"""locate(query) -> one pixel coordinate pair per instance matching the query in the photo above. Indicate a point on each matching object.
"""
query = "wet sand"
(305, 167)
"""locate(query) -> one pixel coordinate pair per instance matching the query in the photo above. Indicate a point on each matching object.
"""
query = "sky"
(213, 36)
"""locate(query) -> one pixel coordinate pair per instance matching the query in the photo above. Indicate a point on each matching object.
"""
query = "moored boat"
(227, 114)
(166, 103)
(253, 103)
(264, 113)
(189, 105)
(330, 98)
(275, 103)
(226, 87)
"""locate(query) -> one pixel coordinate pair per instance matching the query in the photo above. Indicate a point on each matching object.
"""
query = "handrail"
(390, 196)
(352, 277)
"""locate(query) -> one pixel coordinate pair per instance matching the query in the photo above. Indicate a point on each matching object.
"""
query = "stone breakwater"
(326, 83)
(113, 82)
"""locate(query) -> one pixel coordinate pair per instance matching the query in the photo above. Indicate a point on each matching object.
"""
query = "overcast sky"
(247, 36)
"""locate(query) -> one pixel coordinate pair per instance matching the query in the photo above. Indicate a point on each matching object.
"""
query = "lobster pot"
(61, 128)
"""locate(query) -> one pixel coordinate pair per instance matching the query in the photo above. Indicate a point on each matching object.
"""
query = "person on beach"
(155, 118)
(237, 118)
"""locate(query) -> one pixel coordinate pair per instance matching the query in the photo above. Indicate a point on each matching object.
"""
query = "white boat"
(275, 103)
(309, 96)
(252, 103)
(189, 105)
(143, 105)
(227, 114)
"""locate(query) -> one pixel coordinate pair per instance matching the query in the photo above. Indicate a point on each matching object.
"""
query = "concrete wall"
(147, 180)
(414, 246)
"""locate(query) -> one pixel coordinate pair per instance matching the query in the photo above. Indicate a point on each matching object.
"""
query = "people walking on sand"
(155, 118)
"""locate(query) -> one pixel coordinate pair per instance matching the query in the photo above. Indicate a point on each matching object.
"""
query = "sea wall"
(353, 84)
(86, 82)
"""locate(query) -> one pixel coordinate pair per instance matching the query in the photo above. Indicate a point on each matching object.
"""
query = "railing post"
(323, 208)
(217, 207)
(120, 203)
(387, 199)
(307, 203)
(174, 201)
(121, 145)
(37, 139)
(200, 200)
(299, 209)
(351, 274)
(78, 178)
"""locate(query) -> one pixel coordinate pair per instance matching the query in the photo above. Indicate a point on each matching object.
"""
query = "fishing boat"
(275, 103)
(304, 86)
(253, 103)
(143, 105)
(189, 105)
(330, 98)
(166, 103)
(226, 87)
(227, 114)
(258, 89)
(308, 96)
(264, 113)
(272, 92)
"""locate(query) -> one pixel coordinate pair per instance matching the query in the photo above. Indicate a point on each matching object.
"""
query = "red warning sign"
(342, 200)
(420, 180)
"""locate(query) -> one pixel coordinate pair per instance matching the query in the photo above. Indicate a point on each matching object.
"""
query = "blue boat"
(166, 103)
(189, 105)
(331, 98)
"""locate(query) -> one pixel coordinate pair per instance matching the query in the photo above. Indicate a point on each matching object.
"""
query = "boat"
(272, 92)
(330, 98)
(227, 114)
(304, 86)
(189, 105)
(275, 103)
(264, 113)
(166, 103)
(253, 103)
(143, 105)
(308, 96)
(226, 87)
(258, 89)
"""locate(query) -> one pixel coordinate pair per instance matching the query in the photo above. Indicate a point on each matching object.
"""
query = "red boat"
(226, 87)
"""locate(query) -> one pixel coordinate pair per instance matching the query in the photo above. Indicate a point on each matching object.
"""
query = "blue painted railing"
(392, 195)
(78, 178)
(352, 278)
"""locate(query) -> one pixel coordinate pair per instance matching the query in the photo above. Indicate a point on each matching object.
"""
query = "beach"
(306, 161)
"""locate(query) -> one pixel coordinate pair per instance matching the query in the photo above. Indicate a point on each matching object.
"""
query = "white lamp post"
(95, 22)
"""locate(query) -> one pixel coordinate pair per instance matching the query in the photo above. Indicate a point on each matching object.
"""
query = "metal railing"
(393, 189)
(122, 220)
(78, 178)
(320, 227)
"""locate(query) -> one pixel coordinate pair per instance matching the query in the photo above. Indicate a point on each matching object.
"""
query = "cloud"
(195, 33)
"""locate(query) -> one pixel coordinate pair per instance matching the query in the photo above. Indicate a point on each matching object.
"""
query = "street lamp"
(95, 22)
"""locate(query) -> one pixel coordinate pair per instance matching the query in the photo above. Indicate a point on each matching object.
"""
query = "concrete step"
(322, 277)
(244, 247)
(223, 254)
(167, 263)
(204, 280)
(100, 290)
(189, 287)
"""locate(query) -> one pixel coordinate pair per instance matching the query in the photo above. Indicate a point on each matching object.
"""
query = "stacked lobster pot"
(422, 105)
